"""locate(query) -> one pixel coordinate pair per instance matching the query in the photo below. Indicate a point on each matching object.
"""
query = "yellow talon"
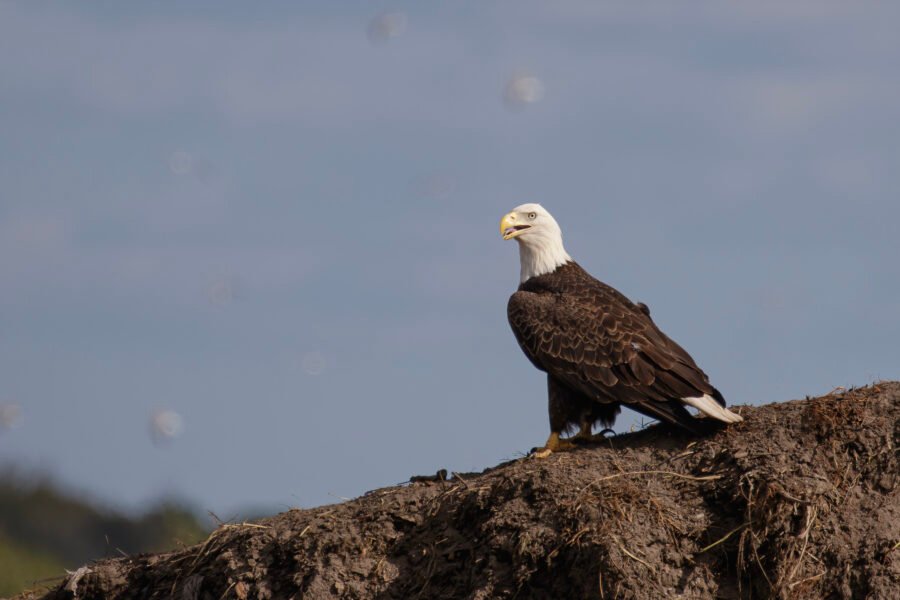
(554, 444)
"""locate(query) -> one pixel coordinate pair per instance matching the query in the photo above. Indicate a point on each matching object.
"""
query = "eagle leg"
(563, 405)
(585, 431)
(554, 444)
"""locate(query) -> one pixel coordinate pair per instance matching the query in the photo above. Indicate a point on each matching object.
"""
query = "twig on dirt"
(787, 496)
(810, 519)
(813, 578)
(632, 556)
(723, 538)
(814, 557)
(305, 529)
(228, 589)
(244, 524)
(577, 536)
(747, 493)
(204, 549)
(684, 455)
(762, 569)
(458, 476)
(651, 472)
(74, 578)
(615, 458)
(429, 572)
(655, 472)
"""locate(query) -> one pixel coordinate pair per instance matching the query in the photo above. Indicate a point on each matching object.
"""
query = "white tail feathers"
(709, 407)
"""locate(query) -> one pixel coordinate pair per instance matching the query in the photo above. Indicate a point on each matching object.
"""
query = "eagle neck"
(540, 259)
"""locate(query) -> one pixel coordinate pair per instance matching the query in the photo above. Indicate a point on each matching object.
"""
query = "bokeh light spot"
(222, 290)
(10, 416)
(386, 26)
(165, 425)
(181, 162)
(521, 90)
(313, 363)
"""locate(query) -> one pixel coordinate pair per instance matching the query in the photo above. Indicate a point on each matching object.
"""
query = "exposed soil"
(802, 500)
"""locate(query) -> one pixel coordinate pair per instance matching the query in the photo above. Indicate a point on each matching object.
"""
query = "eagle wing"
(599, 343)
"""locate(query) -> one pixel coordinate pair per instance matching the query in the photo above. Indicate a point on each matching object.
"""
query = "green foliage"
(44, 530)
(22, 568)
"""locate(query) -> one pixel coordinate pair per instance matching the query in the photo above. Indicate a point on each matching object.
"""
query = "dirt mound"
(802, 500)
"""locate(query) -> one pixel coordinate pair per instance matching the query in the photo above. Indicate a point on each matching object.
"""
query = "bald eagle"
(599, 349)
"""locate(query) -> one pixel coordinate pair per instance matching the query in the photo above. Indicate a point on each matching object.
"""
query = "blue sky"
(286, 233)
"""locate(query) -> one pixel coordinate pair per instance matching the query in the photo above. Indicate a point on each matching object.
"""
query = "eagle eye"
(532, 215)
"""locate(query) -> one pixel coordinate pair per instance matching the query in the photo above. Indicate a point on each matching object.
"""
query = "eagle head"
(528, 222)
(540, 239)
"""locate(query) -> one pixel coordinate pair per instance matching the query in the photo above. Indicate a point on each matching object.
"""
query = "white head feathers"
(541, 248)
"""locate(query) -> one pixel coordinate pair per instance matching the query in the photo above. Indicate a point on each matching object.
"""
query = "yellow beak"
(508, 226)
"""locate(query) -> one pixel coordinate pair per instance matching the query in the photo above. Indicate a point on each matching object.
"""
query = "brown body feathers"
(600, 350)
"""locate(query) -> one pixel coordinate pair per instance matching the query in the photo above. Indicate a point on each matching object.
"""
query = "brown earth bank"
(801, 500)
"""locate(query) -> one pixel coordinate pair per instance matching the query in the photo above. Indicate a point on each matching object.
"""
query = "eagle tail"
(713, 406)
(670, 412)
